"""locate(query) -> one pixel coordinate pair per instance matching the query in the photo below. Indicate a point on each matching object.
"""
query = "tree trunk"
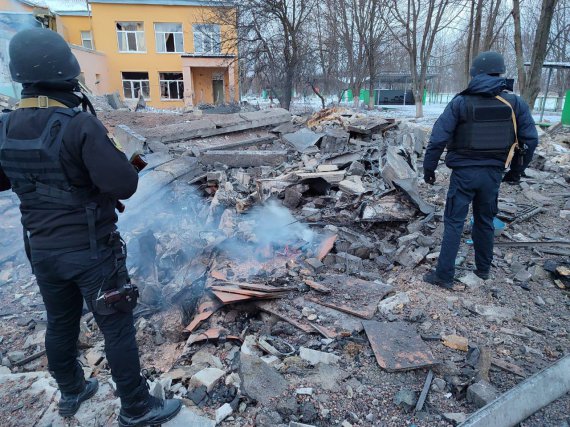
(469, 46)
(285, 98)
(532, 87)
(356, 96)
(477, 29)
(371, 73)
(518, 44)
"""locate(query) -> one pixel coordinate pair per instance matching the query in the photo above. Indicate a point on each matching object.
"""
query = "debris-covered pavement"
(279, 260)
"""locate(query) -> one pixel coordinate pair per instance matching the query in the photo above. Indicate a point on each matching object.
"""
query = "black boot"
(512, 177)
(434, 279)
(140, 409)
(70, 402)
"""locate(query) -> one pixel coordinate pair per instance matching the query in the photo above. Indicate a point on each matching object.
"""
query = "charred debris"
(279, 260)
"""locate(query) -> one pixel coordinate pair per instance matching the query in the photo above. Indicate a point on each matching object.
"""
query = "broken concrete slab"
(243, 159)
(303, 139)
(259, 380)
(130, 140)
(397, 346)
(217, 125)
(396, 166)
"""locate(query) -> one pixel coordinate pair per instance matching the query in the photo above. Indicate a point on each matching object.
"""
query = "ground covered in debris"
(280, 260)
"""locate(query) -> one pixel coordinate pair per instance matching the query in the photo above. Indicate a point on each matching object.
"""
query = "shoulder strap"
(516, 143)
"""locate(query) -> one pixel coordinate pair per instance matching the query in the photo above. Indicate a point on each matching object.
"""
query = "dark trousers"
(65, 280)
(479, 185)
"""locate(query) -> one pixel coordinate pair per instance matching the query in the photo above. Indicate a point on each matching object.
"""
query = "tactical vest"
(487, 127)
(35, 172)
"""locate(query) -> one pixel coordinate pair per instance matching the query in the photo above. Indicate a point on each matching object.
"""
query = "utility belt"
(116, 293)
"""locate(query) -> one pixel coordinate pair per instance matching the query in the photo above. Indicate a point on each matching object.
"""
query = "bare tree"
(418, 23)
(531, 86)
(272, 40)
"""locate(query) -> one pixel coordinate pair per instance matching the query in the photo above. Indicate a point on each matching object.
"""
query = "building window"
(171, 86)
(86, 39)
(169, 37)
(134, 84)
(131, 37)
(207, 38)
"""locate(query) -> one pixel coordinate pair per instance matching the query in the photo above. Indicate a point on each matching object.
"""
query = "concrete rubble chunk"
(352, 186)
(35, 339)
(471, 280)
(303, 139)
(207, 377)
(334, 141)
(411, 257)
(481, 393)
(396, 167)
(223, 412)
(186, 417)
(308, 391)
(244, 158)
(351, 263)
(455, 417)
(315, 357)
(388, 305)
(406, 399)
(409, 187)
(259, 380)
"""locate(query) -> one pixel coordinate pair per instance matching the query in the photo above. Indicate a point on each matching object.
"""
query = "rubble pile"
(279, 261)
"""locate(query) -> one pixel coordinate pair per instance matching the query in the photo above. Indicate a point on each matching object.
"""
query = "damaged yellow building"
(174, 53)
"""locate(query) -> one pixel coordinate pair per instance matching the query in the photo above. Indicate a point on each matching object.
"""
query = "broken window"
(86, 39)
(171, 86)
(207, 38)
(135, 83)
(130, 36)
(169, 37)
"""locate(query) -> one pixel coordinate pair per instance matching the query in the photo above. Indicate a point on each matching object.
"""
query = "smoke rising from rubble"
(275, 225)
(184, 223)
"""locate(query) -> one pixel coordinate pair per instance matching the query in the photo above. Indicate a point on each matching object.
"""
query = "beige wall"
(95, 68)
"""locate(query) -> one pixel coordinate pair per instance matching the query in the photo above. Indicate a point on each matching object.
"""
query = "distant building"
(169, 51)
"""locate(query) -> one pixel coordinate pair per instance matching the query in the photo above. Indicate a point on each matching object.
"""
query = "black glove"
(429, 176)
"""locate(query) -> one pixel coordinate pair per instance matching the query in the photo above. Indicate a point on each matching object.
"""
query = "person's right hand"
(429, 176)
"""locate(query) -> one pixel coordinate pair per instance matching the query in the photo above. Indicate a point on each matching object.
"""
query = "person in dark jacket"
(69, 175)
(485, 129)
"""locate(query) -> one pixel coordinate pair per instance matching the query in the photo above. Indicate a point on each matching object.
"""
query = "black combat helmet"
(41, 55)
(488, 63)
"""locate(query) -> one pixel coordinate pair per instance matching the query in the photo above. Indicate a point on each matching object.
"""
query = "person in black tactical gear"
(69, 175)
(485, 130)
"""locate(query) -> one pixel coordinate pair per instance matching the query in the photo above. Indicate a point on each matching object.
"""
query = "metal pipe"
(525, 399)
